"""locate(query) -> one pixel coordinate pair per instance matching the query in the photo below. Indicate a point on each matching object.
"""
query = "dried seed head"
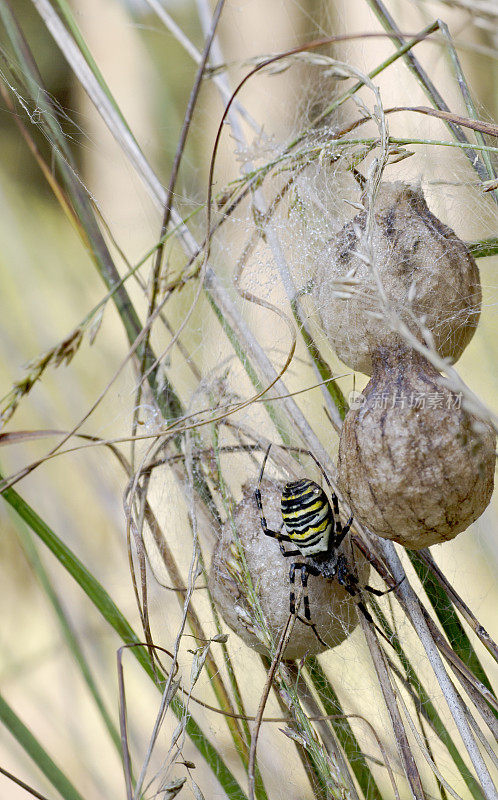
(413, 464)
(332, 609)
(429, 279)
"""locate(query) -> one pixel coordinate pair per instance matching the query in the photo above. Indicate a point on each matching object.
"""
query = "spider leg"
(337, 538)
(305, 571)
(345, 577)
(335, 503)
(292, 598)
(350, 584)
(263, 465)
(280, 537)
(366, 613)
(257, 496)
(332, 493)
(380, 592)
(304, 581)
(340, 532)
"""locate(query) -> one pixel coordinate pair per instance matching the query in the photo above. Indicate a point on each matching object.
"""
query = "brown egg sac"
(333, 611)
(413, 465)
(427, 274)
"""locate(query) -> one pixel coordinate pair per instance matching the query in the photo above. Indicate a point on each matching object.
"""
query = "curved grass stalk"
(328, 735)
(242, 338)
(467, 97)
(198, 632)
(427, 85)
(400, 736)
(127, 307)
(424, 749)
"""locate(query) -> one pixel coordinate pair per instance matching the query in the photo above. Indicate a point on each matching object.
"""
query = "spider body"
(312, 524)
(307, 516)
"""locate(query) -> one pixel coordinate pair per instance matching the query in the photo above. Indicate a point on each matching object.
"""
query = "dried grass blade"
(284, 638)
(22, 784)
(83, 212)
(195, 625)
(124, 137)
(343, 730)
(414, 613)
(448, 116)
(68, 17)
(469, 103)
(404, 750)
(327, 734)
(423, 749)
(423, 703)
(405, 48)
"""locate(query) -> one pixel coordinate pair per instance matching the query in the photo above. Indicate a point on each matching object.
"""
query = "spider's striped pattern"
(307, 516)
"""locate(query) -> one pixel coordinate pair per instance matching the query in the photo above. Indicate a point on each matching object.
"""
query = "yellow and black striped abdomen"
(307, 516)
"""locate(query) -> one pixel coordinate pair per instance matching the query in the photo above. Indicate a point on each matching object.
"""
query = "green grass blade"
(113, 616)
(259, 787)
(230, 785)
(467, 97)
(343, 730)
(78, 571)
(486, 247)
(36, 752)
(168, 402)
(26, 71)
(399, 53)
(425, 82)
(67, 631)
(449, 621)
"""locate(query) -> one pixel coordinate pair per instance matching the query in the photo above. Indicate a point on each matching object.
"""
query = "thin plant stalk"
(454, 704)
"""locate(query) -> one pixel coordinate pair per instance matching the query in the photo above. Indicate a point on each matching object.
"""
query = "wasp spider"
(313, 526)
